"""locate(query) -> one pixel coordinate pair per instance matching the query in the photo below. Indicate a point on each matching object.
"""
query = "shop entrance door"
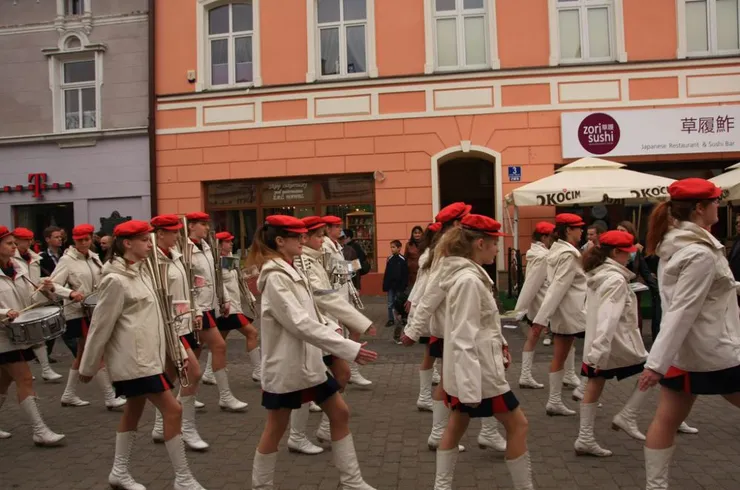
(241, 223)
(37, 217)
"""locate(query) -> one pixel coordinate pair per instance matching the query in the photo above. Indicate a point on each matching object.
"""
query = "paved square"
(390, 436)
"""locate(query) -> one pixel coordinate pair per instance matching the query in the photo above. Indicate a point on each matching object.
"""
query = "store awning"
(729, 182)
(591, 181)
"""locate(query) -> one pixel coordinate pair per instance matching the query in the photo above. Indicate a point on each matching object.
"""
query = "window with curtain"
(74, 7)
(460, 32)
(342, 37)
(79, 97)
(712, 27)
(230, 30)
(586, 30)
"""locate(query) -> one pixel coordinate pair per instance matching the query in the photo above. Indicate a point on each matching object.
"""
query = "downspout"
(152, 113)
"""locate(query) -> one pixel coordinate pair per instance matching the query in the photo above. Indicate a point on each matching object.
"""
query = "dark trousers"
(657, 314)
(391, 304)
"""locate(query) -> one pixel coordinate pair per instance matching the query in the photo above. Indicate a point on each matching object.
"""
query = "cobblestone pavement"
(390, 436)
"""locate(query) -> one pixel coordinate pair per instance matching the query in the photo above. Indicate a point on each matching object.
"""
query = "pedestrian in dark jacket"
(395, 279)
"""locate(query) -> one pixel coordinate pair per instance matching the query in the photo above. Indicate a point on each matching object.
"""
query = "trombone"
(232, 263)
(158, 272)
(218, 277)
(186, 249)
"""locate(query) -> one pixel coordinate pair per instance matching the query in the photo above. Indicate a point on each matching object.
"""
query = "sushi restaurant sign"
(651, 131)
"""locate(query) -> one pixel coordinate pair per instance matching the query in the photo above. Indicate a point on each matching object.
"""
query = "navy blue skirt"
(503, 403)
(233, 322)
(20, 355)
(319, 394)
(436, 347)
(148, 385)
(189, 341)
(619, 373)
(722, 382)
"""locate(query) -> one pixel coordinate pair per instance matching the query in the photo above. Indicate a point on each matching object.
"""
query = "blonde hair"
(264, 245)
(458, 242)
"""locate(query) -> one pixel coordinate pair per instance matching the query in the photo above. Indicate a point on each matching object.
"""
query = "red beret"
(435, 227)
(224, 236)
(132, 228)
(332, 220)
(198, 216)
(4, 231)
(313, 222)
(572, 220)
(23, 233)
(288, 223)
(618, 239)
(456, 210)
(693, 189)
(483, 224)
(544, 228)
(168, 222)
(81, 231)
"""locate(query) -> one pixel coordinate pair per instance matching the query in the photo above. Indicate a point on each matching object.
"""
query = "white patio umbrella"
(729, 182)
(588, 181)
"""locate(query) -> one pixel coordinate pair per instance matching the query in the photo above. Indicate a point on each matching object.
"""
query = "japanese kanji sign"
(705, 129)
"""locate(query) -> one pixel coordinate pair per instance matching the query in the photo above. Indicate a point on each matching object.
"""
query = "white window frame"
(62, 4)
(57, 59)
(203, 74)
(314, 40)
(430, 34)
(683, 49)
(616, 18)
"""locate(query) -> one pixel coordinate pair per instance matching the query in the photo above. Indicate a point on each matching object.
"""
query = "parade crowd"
(137, 315)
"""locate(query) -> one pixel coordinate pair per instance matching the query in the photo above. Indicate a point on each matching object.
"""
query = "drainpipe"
(152, 113)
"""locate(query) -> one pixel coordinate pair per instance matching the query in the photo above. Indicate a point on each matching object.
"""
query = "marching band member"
(331, 245)
(476, 357)
(613, 347)
(30, 263)
(531, 297)
(206, 299)
(698, 349)
(77, 275)
(237, 320)
(564, 305)
(335, 307)
(167, 229)
(16, 295)
(431, 312)
(293, 371)
(127, 330)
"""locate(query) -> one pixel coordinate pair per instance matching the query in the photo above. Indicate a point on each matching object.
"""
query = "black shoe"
(390, 323)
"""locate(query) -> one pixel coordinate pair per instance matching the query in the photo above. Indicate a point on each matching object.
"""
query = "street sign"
(515, 174)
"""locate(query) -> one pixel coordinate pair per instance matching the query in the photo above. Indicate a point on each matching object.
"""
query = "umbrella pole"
(516, 227)
(639, 218)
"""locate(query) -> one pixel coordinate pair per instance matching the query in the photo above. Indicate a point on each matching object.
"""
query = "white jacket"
(335, 254)
(238, 303)
(203, 269)
(177, 281)
(15, 294)
(700, 327)
(535, 281)
(334, 305)
(564, 306)
(292, 337)
(613, 338)
(75, 272)
(32, 269)
(429, 314)
(127, 329)
(474, 360)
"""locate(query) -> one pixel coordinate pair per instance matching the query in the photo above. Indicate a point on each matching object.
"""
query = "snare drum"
(37, 325)
(89, 304)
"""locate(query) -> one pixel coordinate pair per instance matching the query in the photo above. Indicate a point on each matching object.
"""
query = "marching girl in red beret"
(335, 307)
(204, 270)
(167, 229)
(293, 337)
(476, 353)
(613, 346)
(531, 296)
(430, 317)
(76, 276)
(697, 351)
(127, 329)
(30, 263)
(334, 249)
(564, 305)
(17, 294)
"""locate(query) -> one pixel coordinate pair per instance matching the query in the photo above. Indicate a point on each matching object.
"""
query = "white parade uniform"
(535, 281)
(204, 272)
(76, 272)
(32, 269)
(179, 288)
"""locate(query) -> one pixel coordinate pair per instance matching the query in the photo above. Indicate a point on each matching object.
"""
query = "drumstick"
(8, 320)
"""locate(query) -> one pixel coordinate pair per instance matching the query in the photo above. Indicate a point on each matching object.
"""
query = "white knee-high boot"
(184, 479)
(69, 397)
(255, 357)
(570, 379)
(436, 377)
(446, 462)
(42, 435)
(489, 436)
(626, 419)
(424, 402)
(586, 444)
(226, 400)
(657, 464)
(440, 416)
(111, 402)
(207, 377)
(520, 470)
(158, 429)
(119, 477)
(323, 433)
(356, 378)
(525, 379)
(555, 405)
(345, 459)
(3, 434)
(47, 373)
(298, 442)
(190, 435)
(263, 470)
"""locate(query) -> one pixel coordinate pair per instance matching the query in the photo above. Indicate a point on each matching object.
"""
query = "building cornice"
(76, 139)
(52, 25)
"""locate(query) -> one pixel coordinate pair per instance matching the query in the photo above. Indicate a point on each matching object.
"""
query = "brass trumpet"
(158, 272)
(186, 249)
(218, 277)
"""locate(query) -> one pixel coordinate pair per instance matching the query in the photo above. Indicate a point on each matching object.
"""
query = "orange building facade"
(382, 111)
